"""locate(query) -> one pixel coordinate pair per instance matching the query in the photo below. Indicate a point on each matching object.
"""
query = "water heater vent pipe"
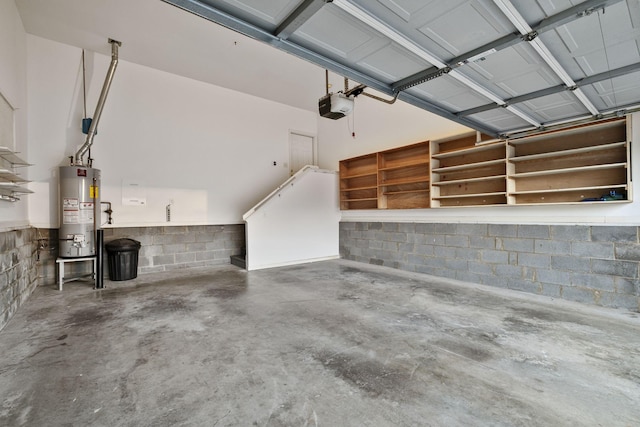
(103, 97)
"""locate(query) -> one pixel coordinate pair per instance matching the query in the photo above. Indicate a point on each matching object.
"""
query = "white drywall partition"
(297, 223)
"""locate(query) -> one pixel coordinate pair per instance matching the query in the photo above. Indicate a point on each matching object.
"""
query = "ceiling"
(499, 66)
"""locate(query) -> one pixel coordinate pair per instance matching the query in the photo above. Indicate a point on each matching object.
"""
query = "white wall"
(13, 63)
(208, 149)
(299, 223)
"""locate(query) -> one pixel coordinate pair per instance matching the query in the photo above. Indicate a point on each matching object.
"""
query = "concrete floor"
(326, 344)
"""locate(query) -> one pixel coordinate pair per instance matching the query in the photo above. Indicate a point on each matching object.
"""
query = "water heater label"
(94, 192)
(70, 217)
(69, 203)
(82, 172)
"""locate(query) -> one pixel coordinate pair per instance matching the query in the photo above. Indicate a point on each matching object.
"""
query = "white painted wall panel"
(298, 224)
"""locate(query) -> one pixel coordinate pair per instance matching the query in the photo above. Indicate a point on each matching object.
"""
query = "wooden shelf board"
(404, 181)
(462, 181)
(567, 152)
(390, 193)
(360, 175)
(370, 187)
(406, 165)
(569, 170)
(475, 149)
(599, 202)
(464, 196)
(468, 166)
(367, 199)
(564, 190)
(567, 131)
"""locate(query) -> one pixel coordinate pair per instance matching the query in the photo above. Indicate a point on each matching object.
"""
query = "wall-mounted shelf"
(359, 182)
(10, 181)
(575, 165)
(467, 173)
(587, 163)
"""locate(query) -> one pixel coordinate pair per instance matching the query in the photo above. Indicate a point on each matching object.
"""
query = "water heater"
(79, 188)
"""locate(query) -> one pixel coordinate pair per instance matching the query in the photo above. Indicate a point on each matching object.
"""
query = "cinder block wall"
(590, 264)
(172, 247)
(18, 275)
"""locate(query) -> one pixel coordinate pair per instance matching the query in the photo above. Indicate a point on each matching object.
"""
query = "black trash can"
(122, 257)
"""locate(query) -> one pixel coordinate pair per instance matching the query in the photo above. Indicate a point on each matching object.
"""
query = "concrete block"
(456, 264)
(515, 244)
(415, 259)
(376, 261)
(613, 300)
(571, 232)
(570, 263)
(627, 251)
(406, 248)
(185, 257)
(533, 231)
(551, 290)
(214, 245)
(534, 260)
(444, 252)
(480, 268)
(435, 239)
(419, 239)
(154, 269)
(593, 281)
(396, 237)
(513, 258)
(344, 226)
(624, 285)
(467, 276)
(163, 259)
(572, 293)
(495, 257)
(479, 230)
(503, 230)
(424, 249)
(511, 271)
(174, 248)
(615, 268)
(406, 227)
(615, 233)
(445, 228)
(422, 228)
(482, 242)
(467, 254)
(525, 286)
(374, 226)
(390, 226)
(456, 241)
(592, 250)
(496, 281)
(553, 276)
(390, 246)
(554, 247)
(374, 244)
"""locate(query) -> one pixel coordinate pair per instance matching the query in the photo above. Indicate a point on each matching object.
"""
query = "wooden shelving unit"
(359, 182)
(575, 165)
(581, 164)
(403, 177)
(466, 171)
(11, 183)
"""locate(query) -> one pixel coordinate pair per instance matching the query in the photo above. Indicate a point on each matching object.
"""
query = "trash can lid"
(122, 245)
